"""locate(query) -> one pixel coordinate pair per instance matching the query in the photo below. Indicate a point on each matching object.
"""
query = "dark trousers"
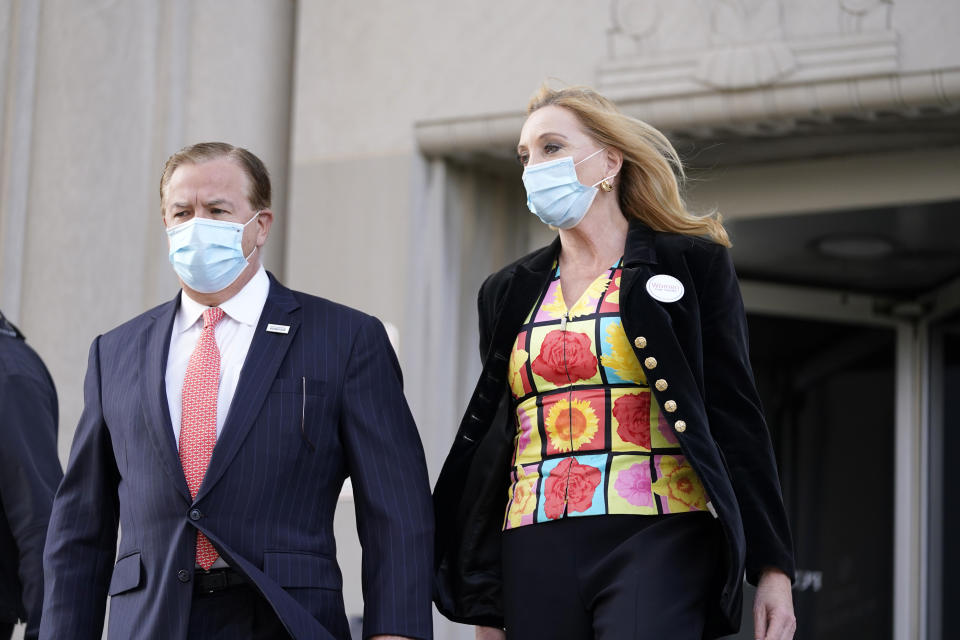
(6, 630)
(235, 613)
(611, 577)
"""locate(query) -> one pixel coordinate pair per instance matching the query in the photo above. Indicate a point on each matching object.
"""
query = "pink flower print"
(633, 485)
(523, 436)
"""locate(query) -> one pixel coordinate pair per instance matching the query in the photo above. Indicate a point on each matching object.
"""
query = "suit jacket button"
(639, 342)
(183, 575)
(650, 363)
(195, 514)
(661, 384)
(670, 406)
(680, 426)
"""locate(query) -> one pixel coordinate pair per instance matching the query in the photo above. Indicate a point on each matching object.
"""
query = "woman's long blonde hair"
(652, 172)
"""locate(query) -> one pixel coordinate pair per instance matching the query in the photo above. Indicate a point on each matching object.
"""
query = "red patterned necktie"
(198, 422)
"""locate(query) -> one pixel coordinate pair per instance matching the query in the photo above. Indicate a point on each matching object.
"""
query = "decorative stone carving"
(834, 81)
(860, 7)
(675, 48)
(748, 45)
(864, 15)
(636, 18)
(635, 25)
(737, 22)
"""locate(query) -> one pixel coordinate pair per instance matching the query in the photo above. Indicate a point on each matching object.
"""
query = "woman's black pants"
(611, 577)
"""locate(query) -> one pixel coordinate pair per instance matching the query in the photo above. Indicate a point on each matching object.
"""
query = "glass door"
(943, 557)
(830, 375)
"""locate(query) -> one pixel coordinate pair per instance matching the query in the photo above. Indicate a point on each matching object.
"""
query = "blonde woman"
(613, 475)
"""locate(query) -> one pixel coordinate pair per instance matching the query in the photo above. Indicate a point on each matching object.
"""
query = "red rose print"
(579, 488)
(562, 363)
(633, 413)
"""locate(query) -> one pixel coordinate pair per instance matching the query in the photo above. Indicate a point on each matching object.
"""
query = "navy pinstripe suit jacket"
(312, 406)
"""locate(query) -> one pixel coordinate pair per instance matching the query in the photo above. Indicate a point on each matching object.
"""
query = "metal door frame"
(911, 422)
(935, 306)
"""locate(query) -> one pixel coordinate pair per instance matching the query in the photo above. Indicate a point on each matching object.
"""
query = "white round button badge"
(665, 288)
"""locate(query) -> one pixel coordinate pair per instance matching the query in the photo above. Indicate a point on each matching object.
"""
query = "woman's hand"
(773, 617)
(490, 633)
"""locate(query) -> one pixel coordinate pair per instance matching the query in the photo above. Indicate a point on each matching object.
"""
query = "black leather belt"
(205, 582)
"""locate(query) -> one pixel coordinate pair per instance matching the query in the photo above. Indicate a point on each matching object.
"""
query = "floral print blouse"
(590, 438)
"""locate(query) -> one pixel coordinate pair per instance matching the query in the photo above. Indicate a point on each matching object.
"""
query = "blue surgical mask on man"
(555, 194)
(208, 254)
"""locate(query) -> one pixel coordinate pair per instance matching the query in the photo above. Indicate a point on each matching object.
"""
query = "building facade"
(827, 132)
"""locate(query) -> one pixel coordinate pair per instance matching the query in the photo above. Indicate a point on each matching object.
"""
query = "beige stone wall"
(365, 74)
(98, 95)
(335, 96)
(810, 186)
(372, 78)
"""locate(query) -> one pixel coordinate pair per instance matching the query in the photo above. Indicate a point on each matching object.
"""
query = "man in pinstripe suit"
(217, 431)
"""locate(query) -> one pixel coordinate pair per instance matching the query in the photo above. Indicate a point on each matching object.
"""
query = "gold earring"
(606, 186)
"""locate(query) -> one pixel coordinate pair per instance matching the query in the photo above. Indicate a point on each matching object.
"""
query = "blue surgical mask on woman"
(555, 194)
(208, 254)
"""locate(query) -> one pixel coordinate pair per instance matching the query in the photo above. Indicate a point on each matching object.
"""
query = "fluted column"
(95, 96)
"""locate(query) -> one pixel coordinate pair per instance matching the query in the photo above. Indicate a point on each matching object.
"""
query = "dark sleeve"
(391, 490)
(82, 538)
(484, 310)
(29, 475)
(737, 422)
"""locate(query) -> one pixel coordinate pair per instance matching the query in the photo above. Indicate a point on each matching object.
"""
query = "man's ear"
(264, 222)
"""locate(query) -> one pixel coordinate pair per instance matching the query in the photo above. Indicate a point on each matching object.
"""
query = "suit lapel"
(640, 312)
(267, 350)
(524, 288)
(639, 307)
(638, 256)
(154, 348)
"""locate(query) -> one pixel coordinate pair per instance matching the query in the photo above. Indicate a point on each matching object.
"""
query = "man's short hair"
(259, 196)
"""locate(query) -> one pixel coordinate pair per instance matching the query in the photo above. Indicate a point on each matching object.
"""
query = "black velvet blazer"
(698, 345)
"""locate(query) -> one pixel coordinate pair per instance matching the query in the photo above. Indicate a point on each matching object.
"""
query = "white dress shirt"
(233, 333)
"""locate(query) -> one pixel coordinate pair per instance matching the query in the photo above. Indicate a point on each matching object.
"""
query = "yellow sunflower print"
(614, 298)
(556, 307)
(571, 422)
(518, 360)
(622, 359)
(588, 301)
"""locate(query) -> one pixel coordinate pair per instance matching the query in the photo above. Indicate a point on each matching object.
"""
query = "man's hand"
(773, 617)
(490, 633)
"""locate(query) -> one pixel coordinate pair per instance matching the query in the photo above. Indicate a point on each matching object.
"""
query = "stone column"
(95, 96)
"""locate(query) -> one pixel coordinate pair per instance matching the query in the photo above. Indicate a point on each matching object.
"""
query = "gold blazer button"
(670, 406)
(661, 384)
(640, 342)
(650, 363)
(680, 426)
